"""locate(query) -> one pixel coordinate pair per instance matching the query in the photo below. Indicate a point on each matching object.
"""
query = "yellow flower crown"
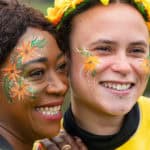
(64, 7)
(55, 14)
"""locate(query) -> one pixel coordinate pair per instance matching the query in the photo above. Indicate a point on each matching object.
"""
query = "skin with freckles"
(119, 77)
(33, 82)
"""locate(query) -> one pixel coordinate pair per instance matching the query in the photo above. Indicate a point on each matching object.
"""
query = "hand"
(62, 142)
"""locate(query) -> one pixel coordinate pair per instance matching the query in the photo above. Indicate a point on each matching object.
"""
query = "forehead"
(34, 33)
(37, 41)
(112, 21)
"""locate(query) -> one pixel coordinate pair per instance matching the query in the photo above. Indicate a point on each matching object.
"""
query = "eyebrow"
(139, 43)
(103, 41)
(41, 59)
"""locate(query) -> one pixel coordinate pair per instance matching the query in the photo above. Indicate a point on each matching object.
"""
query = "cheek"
(105, 64)
(64, 79)
(21, 90)
(34, 89)
(142, 68)
(1, 80)
(85, 71)
(85, 65)
(75, 67)
(15, 90)
(145, 66)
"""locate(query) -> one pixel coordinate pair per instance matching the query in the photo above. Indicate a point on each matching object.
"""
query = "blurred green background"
(42, 5)
(39, 4)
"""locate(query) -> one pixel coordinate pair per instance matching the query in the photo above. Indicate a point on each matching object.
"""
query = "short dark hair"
(15, 18)
(65, 27)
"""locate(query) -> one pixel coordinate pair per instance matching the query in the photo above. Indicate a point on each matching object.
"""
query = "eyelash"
(104, 48)
(61, 67)
(137, 50)
(37, 74)
(108, 49)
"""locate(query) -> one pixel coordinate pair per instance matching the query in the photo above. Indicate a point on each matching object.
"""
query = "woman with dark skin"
(33, 79)
(107, 47)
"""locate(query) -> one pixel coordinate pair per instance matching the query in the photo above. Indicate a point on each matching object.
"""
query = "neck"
(97, 123)
(14, 140)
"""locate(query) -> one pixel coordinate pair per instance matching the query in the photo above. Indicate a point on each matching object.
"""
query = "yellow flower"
(54, 14)
(67, 3)
(146, 4)
(146, 66)
(104, 2)
(148, 25)
(90, 63)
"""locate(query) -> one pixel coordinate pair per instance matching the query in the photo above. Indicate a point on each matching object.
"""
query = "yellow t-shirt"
(141, 138)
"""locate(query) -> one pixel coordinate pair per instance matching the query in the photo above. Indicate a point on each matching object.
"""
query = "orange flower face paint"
(90, 62)
(11, 71)
(15, 85)
(25, 51)
(146, 65)
(19, 91)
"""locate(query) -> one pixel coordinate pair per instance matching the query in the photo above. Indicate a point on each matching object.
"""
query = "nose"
(121, 65)
(56, 85)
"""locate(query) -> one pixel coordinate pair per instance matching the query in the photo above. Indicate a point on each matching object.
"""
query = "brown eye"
(61, 67)
(103, 48)
(37, 74)
(137, 50)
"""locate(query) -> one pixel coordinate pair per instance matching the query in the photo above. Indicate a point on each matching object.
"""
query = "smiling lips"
(117, 86)
(49, 111)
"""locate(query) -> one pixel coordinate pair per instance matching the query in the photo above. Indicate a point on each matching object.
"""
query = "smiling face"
(111, 77)
(34, 84)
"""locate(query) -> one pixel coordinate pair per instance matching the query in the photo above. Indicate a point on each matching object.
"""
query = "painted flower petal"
(104, 2)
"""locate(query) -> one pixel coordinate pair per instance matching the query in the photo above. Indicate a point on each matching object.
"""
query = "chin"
(48, 132)
(52, 132)
(121, 111)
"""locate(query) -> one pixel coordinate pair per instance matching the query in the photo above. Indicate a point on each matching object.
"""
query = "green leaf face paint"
(90, 62)
(40, 43)
(8, 84)
(14, 83)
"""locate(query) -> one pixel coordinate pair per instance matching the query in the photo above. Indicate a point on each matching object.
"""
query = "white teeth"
(49, 110)
(117, 86)
(46, 108)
